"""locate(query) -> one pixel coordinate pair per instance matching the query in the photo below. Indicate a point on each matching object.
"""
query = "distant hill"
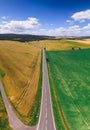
(29, 37)
(72, 37)
(22, 37)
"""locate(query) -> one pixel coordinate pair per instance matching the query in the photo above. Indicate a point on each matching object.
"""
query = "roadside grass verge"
(4, 124)
(2, 74)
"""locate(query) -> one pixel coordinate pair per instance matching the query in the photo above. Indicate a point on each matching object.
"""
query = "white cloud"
(15, 26)
(51, 24)
(73, 30)
(50, 32)
(70, 22)
(81, 16)
(4, 17)
(31, 26)
(69, 31)
(56, 31)
(86, 27)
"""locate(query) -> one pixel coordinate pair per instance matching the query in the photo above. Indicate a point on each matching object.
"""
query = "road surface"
(46, 120)
(15, 123)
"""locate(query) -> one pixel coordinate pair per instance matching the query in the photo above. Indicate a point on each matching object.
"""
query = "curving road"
(46, 119)
(15, 123)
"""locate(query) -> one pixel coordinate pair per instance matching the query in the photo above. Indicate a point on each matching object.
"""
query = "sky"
(45, 17)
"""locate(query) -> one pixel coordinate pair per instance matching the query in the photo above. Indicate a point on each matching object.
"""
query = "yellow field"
(85, 41)
(59, 44)
(21, 63)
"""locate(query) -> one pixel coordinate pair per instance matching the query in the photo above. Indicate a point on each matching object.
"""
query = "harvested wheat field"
(60, 44)
(21, 64)
(85, 41)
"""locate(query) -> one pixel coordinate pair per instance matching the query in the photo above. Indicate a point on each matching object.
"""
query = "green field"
(69, 74)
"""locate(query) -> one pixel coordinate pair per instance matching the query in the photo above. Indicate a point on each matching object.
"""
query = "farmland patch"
(71, 84)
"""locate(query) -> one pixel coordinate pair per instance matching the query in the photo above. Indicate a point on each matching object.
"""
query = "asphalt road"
(46, 120)
(15, 123)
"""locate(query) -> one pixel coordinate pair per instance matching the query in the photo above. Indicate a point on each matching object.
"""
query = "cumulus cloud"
(56, 31)
(4, 17)
(81, 16)
(74, 30)
(15, 26)
(70, 22)
(31, 26)
(50, 32)
(86, 27)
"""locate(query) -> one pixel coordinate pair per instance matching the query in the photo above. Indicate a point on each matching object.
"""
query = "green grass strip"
(4, 124)
(2, 74)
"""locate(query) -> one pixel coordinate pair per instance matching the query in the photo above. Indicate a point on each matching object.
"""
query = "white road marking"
(46, 116)
(44, 98)
(46, 124)
(46, 111)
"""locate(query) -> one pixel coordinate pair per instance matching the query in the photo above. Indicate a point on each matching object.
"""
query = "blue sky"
(45, 17)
